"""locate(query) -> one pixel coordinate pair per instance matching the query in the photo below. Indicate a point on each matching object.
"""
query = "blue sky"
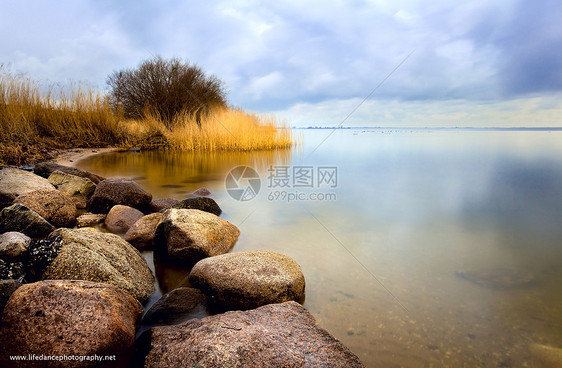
(312, 62)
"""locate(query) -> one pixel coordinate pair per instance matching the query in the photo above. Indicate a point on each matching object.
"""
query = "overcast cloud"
(475, 62)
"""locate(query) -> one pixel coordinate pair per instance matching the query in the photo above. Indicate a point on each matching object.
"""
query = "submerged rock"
(549, 356)
(277, 335)
(101, 257)
(15, 182)
(24, 220)
(199, 203)
(80, 189)
(190, 235)
(141, 234)
(114, 191)
(120, 218)
(68, 318)
(13, 245)
(178, 305)
(500, 278)
(159, 204)
(56, 207)
(45, 169)
(249, 279)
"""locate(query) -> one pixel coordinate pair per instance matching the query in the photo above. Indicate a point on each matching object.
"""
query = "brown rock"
(68, 318)
(45, 169)
(101, 257)
(142, 232)
(276, 335)
(13, 244)
(120, 218)
(90, 219)
(247, 280)
(110, 192)
(199, 203)
(190, 235)
(56, 207)
(15, 182)
(158, 205)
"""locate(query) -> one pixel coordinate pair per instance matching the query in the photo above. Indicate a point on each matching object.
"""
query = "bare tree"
(165, 87)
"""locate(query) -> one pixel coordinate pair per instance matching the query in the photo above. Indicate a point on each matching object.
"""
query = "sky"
(441, 63)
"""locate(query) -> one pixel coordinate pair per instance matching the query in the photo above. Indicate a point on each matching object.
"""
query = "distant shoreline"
(439, 128)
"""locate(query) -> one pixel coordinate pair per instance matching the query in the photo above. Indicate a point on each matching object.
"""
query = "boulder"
(276, 335)
(101, 257)
(72, 318)
(158, 205)
(110, 192)
(56, 207)
(13, 244)
(90, 219)
(247, 280)
(199, 203)
(120, 218)
(45, 169)
(7, 288)
(15, 182)
(80, 189)
(142, 232)
(190, 235)
(178, 305)
(21, 219)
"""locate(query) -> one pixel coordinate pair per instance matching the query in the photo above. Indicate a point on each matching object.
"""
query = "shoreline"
(72, 156)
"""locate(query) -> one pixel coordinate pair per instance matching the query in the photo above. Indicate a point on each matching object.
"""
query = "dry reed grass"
(33, 123)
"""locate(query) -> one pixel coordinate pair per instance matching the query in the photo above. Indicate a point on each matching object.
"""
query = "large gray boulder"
(141, 234)
(120, 218)
(101, 257)
(13, 244)
(62, 317)
(80, 189)
(248, 280)
(45, 169)
(276, 335)
(21, 219)
(114, 191)
(56, 207)
(15, 182)
(190, 235)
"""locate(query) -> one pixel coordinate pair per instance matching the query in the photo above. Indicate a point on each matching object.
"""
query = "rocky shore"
(69, 289)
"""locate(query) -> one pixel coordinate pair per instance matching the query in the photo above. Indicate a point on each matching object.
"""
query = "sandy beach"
(71, 156)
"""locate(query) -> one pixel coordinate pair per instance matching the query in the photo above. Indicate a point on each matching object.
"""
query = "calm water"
(435, 248)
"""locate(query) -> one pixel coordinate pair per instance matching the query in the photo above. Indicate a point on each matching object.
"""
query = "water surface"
(435, 248)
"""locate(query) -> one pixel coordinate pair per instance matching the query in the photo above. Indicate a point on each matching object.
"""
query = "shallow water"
(434, 248)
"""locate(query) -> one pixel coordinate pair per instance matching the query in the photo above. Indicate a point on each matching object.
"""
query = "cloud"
(284, 55)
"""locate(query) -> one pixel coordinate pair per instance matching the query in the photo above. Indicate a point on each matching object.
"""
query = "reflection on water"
(463, 228)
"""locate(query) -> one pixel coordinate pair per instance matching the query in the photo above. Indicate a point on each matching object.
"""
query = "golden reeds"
(33, 122)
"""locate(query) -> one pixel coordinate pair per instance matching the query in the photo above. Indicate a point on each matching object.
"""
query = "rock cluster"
(79, 291)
